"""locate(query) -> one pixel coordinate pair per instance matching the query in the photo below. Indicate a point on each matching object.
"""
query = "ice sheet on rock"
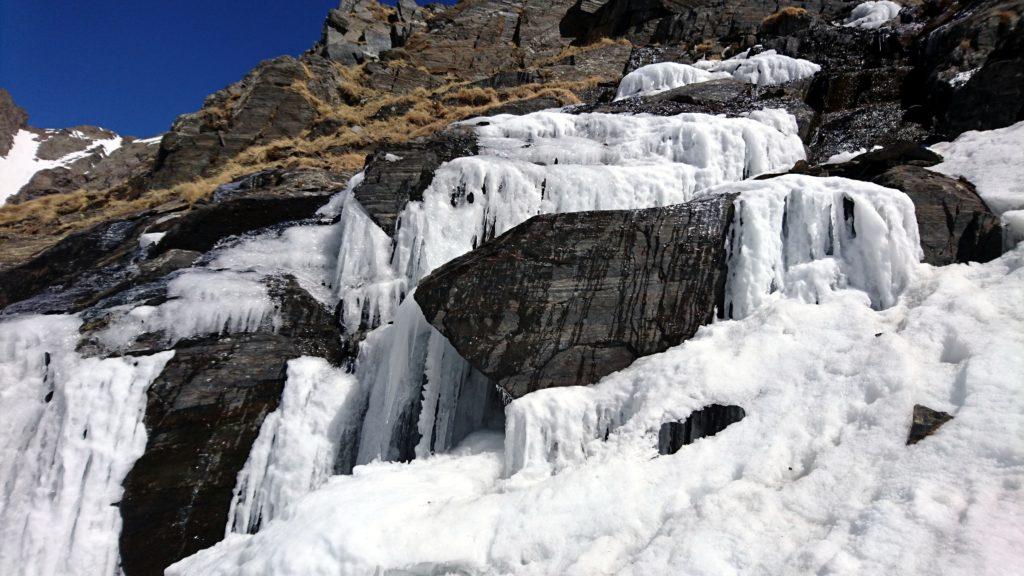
(1013, 228)
(871, 15)
(991, 160)
(806, 237)
(296, 447)
(199, 302)
(739, 147)
(841, 157)
(305, 252)
(816, 479)
(764, 69)
(662, 76)
(71, 430)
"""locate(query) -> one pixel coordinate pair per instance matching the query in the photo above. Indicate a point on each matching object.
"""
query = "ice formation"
(199, 302)
(816, 479)
(71, 431)
(538, 163)
(764, 68)
(992, 160)
(1013, 228)
(871, 15)
(662, 76)
(840, 157)
(294, 452)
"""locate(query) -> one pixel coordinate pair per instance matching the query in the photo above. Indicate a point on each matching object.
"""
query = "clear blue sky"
(132, 66)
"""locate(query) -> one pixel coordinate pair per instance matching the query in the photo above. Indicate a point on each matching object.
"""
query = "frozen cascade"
(871, 15)
(71, 430)
(295, 450)
(538, 163)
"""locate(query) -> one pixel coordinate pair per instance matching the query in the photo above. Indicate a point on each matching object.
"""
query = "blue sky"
(133, 66)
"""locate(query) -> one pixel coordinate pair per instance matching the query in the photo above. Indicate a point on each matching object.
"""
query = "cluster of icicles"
(411, 394)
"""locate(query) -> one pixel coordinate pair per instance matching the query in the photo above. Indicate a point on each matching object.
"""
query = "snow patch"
(655, 78)
(991, 160)
(766, 68)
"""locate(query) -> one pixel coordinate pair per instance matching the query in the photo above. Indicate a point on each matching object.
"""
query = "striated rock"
(279, 99)
(925, 422)
(12, 119)
(362, 30)
(402, 172)
(203, 414)
(954, 222)
(250, 203)
(563, 300)
(707, 421)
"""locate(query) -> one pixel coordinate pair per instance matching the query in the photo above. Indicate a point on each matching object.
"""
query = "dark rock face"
(278, 99)
(925, 423)
(362, 30)
(707, 421)
(565, 299)
(401, 173)
(12, 119)
(251, 203)
(954, 222)
(203, 414)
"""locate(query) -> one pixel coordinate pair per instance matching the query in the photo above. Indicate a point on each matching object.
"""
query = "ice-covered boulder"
(764, 68)
(566, 299)
(662, 76)
(871, 15)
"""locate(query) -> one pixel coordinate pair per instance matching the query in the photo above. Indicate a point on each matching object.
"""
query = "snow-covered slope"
(22, 162)
(992, 160)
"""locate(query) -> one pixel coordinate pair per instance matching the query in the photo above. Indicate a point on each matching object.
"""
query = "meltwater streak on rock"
(71, 430)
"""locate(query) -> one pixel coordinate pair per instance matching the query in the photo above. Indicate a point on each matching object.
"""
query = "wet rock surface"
(707, 421)
(203, 414)
(562, 300)
(399, 174)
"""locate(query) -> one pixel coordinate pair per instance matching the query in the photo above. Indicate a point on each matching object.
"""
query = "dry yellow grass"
(788, 11)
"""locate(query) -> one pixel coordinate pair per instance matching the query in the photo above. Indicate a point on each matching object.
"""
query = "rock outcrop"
(707, 421)
(401, 173)
(12, 119)
(203, 414)
(250, 203)
(925, 422)
(565, 299)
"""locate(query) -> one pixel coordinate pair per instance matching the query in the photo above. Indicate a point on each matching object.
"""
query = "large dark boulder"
(203, 414)
(400, 173)
(954, 222)
(563, 300)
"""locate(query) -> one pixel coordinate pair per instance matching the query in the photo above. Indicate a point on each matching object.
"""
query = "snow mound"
(872, 15)
(816, 479)
(71, 431)
(655, 78)
(991, 160)
(764, 69)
